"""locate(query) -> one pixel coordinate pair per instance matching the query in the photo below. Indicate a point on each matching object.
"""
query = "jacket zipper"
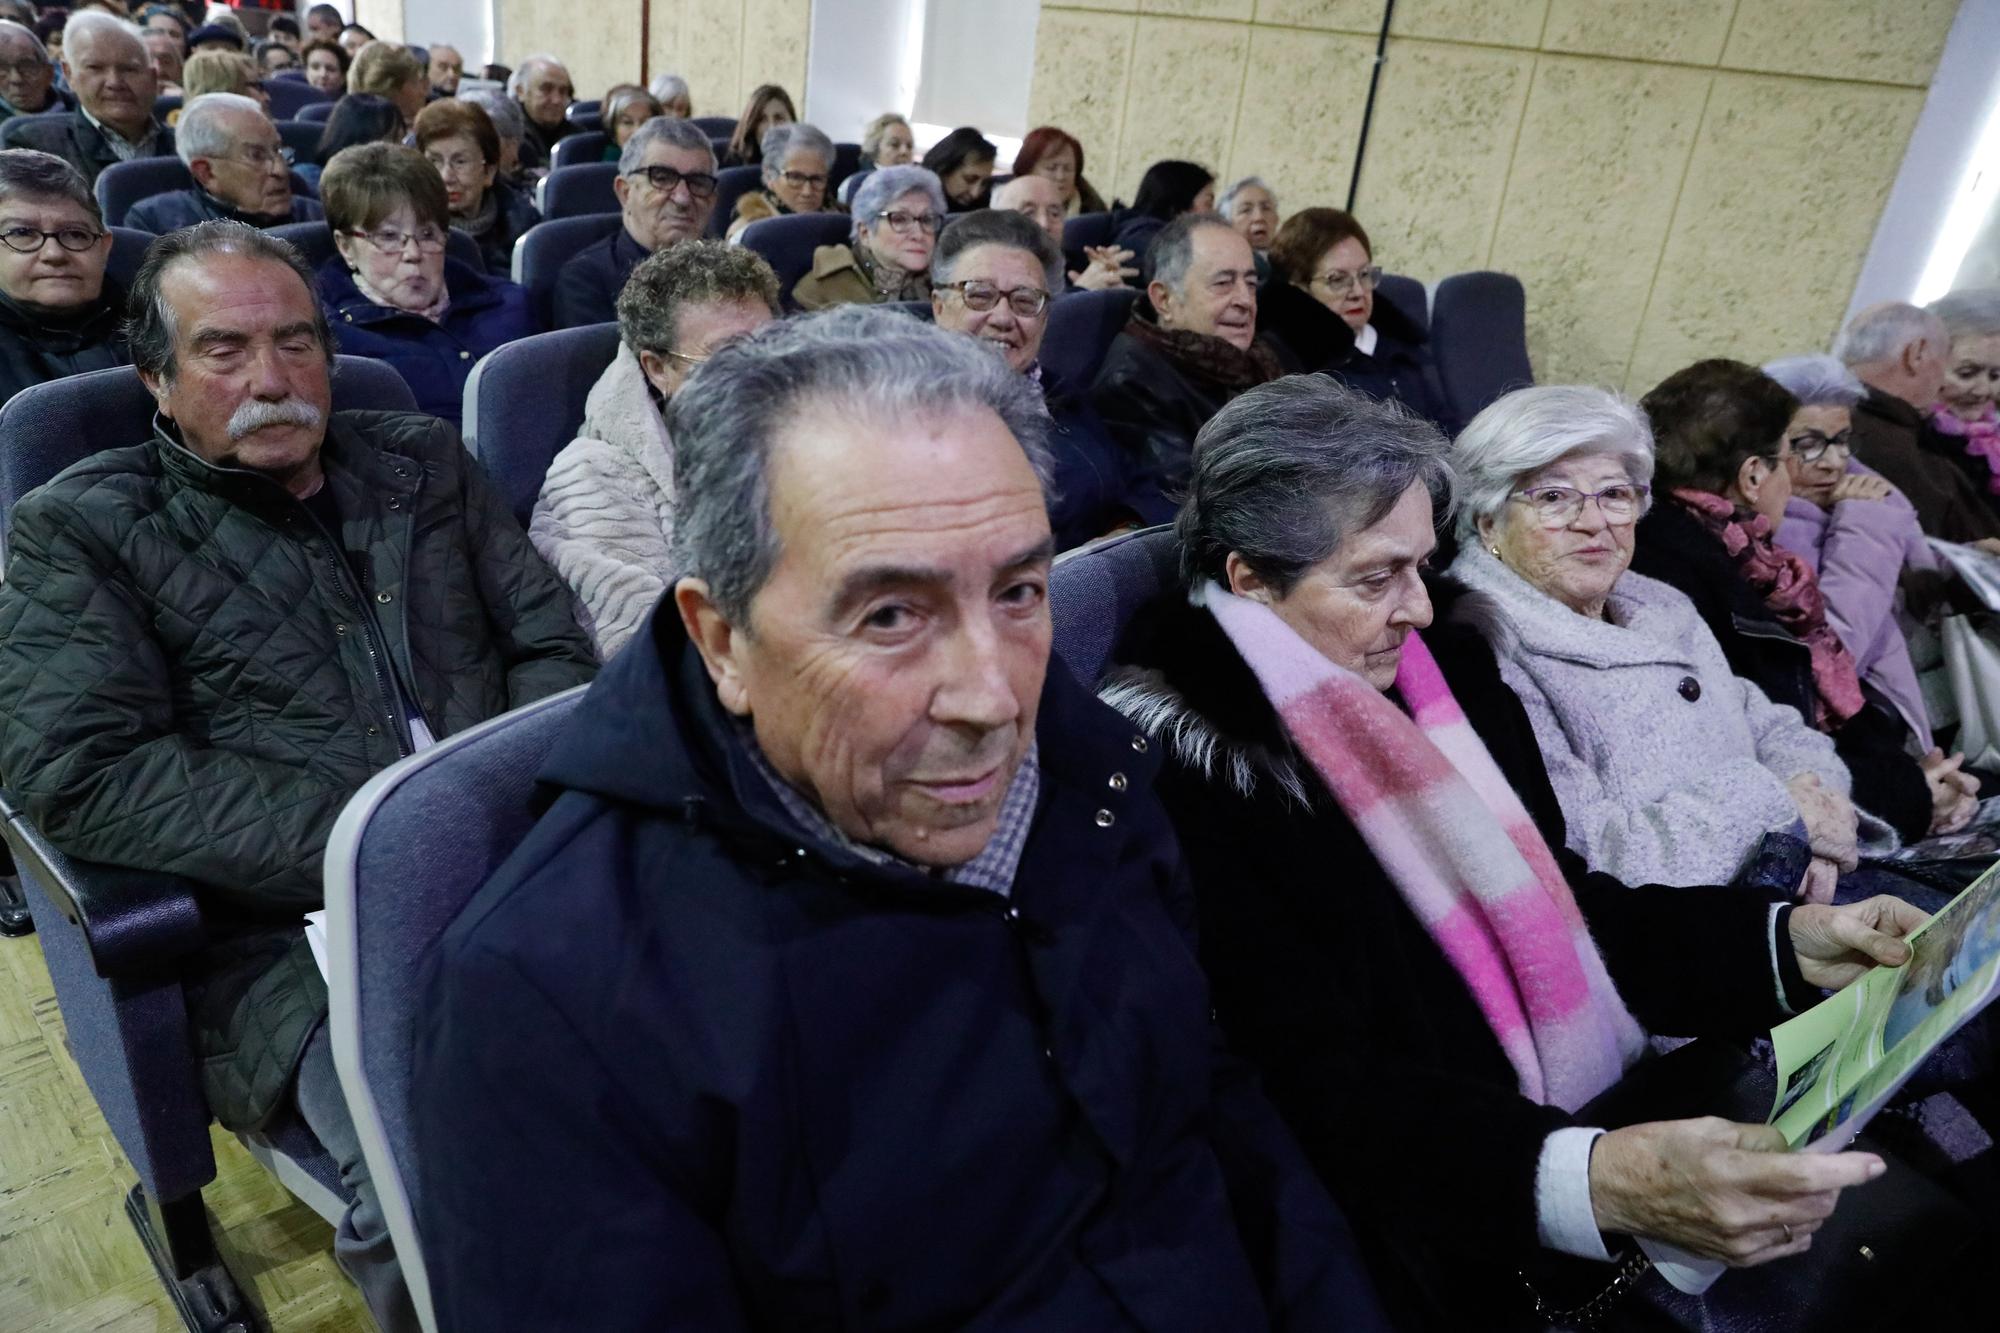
(357, 597)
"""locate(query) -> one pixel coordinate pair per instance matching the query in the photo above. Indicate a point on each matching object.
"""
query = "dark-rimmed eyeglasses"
(1027, 302)
(1559, 506)
(28, 240)
(904, 223)
(1809, 446)
(800, 180)
(700, 184)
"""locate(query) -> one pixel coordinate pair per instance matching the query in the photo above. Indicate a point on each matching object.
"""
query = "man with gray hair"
(666, 191)
(27, 75)
(209, 640)
(1900, 352)
(241, 168)
(509, 124)
(59, 313)
(111, 73)
(847, 968)
(447, 67)
(1037, 199)
(544, 89)
(1190, 346)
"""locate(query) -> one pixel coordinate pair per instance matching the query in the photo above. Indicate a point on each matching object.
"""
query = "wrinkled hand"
(1990, 545)
(1954, 792)
(1109, 267)
(1861, 486)
(1831, 827)
(1835, 945)
(1721, 1190)
(1822, 877)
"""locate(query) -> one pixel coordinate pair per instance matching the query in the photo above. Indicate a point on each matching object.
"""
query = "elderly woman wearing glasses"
(897, 213)
(605, 518)
(1320, 313)
(797, 164)
(391, 291)
(1856, 532)
(1669, 766)
(992, 278)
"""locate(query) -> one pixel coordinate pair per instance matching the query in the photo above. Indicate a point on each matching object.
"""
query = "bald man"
(1037, 199)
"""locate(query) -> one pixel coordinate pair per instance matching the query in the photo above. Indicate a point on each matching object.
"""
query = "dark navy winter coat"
(687, 1067)
(433, 359)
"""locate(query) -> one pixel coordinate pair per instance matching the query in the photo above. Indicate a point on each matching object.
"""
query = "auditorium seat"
(787, 244)
(301, 136)
(128, 251)
(584, 115)
(113, 938)
(1088, 229)
(577, 149)
(317, 112)
(1081, 327)
(542, 251)
(315, 241)
(524, 402)
(1408, 296)
(440, 822)
(289, 97)
(716, 127)
(1095, 590)
(846, 161)
(1479, 340)
(570, 192)
(731, 184)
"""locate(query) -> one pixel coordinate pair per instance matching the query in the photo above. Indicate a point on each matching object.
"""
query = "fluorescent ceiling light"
(1978, 192)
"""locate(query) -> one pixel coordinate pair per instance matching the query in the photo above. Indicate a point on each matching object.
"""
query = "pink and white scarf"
(1981, 437)
(1452, 835)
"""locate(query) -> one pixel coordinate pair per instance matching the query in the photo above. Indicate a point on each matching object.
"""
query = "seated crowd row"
(869, 968)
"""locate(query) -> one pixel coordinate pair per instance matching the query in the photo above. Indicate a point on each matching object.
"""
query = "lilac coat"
(1859, 549)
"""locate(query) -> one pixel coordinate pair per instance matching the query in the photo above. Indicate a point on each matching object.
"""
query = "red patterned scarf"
(1791, 592)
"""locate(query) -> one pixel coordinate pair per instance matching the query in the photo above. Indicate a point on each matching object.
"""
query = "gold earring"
(1495, 550)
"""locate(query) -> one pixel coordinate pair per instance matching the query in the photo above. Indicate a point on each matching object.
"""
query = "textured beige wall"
(1669, 178)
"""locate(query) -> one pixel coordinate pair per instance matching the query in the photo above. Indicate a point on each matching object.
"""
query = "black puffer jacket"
(191, 681)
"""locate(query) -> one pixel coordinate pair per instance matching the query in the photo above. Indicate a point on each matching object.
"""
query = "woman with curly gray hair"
(897, 214)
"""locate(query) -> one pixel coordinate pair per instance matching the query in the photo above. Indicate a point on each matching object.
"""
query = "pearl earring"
(1495, 550)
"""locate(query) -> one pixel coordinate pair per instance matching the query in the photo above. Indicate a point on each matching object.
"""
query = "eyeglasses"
(1559, 506)
(799, 180)
(429, 240)
(1336, 281)
(700, 184)
(1027, 302)
(260, 158)
(29, 240)
(1809, 446)
(457, 162)
(904, 223)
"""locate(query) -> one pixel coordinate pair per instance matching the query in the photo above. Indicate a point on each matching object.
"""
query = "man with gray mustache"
(210, 640)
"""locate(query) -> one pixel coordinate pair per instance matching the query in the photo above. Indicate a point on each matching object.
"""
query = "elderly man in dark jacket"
(240, 167)
(666, 191)
(847, 981)
(112, 77)
(1190, 347)
(210, 640)
(59, 314)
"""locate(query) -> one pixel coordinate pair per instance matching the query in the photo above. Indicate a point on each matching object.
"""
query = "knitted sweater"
(606, 511)
(1669, 768)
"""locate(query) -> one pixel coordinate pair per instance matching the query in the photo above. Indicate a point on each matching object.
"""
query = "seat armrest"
(129, 919)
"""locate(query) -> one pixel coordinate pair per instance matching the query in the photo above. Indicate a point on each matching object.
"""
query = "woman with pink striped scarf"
(1439, 994)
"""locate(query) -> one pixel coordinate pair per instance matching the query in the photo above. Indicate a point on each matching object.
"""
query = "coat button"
(465, 356)
(384, 597)
(1105, 819)
(1139, 744)
(1118, 782)
(340, 629)
(1690, 688)
(348, 318)
(395, 502)
(374, 731)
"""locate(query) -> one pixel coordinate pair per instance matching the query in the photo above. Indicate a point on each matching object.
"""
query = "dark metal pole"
(1368, 112)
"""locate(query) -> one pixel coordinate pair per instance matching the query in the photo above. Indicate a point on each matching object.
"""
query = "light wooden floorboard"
(69, 1260)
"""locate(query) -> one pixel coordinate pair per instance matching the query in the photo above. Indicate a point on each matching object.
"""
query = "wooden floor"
(69, 1260)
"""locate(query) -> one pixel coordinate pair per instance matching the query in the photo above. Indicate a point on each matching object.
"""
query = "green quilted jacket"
(193, 681)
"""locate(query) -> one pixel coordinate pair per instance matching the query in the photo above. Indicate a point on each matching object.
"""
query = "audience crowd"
(1325, 962)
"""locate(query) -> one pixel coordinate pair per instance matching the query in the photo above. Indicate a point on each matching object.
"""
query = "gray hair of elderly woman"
(670, 281)
(871, 134)
(995, 226)
(781, 141)
(664, 130)
(1818, 380)
(857, 362)
(26, 173)
(1970, 312)
(1227, 203)
(508, 121)
(1520, 433)
(885, 185)
(200, 131)
(666, 87)
(1290, 470)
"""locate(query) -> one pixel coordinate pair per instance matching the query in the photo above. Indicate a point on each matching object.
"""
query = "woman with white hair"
(1853, 529)
(897, 214)
(797, 163)
(1671, 768)
(1965, 412)
(671, 92)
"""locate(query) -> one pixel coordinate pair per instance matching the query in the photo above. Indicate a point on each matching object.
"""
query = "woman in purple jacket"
(1859, 534)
